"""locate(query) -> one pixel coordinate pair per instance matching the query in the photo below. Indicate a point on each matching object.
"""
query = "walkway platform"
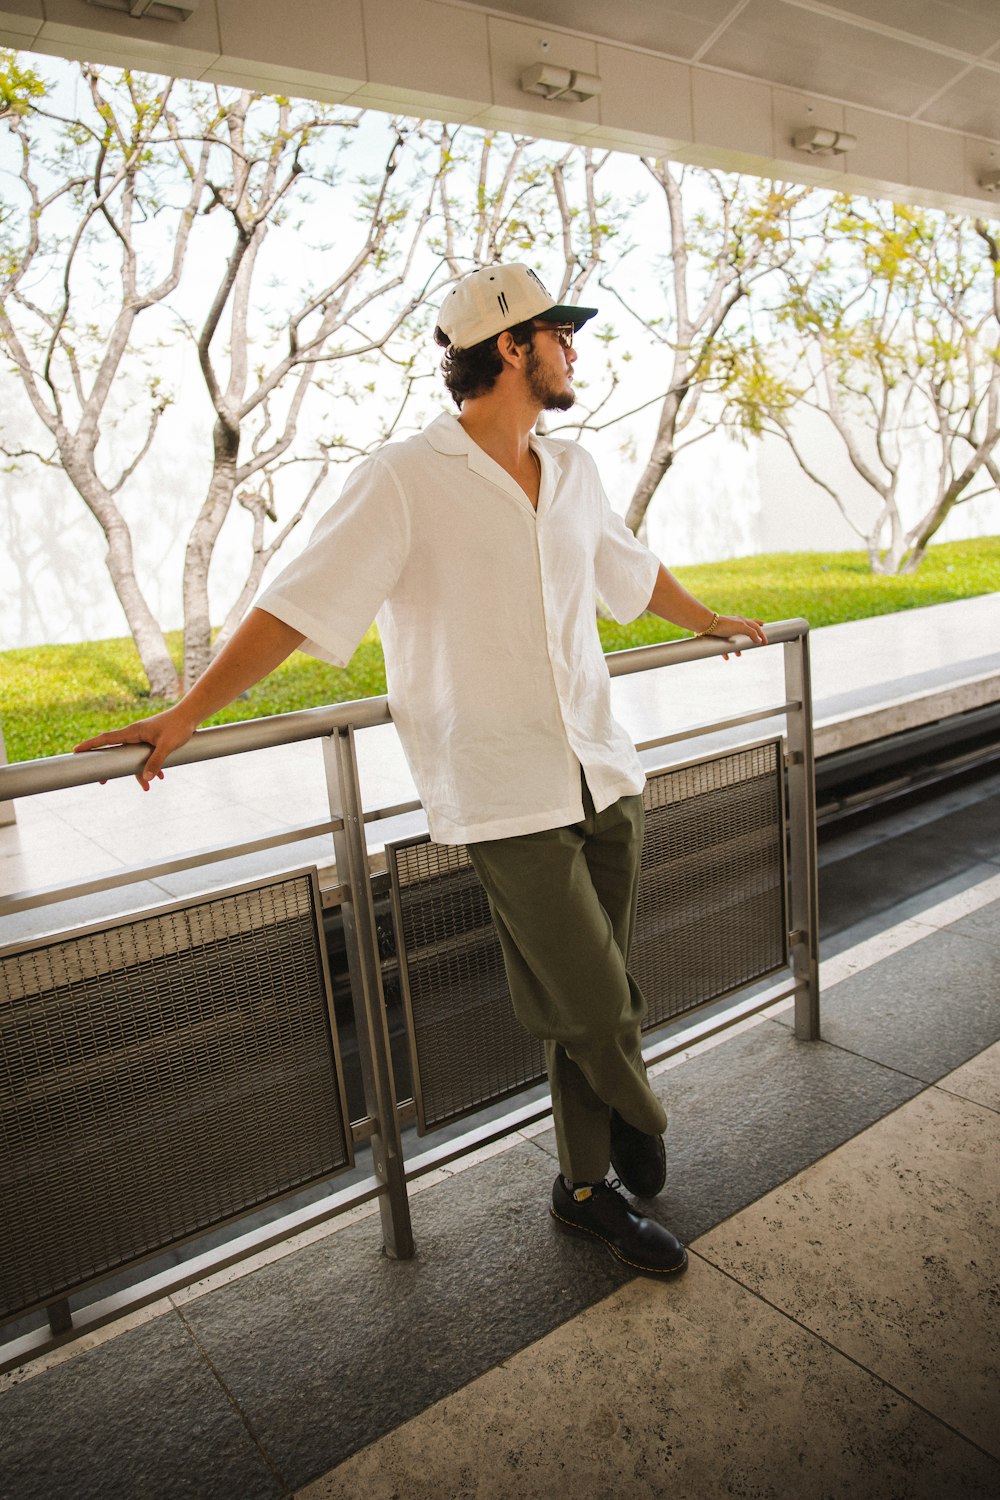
(837, 1332)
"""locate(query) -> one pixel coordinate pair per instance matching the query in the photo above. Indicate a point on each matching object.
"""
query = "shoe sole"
(566, 1226)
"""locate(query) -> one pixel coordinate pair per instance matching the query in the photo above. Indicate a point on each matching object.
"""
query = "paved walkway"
(837, 1333)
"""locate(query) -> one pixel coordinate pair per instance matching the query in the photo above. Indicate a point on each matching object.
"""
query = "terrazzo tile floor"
(839, 1337)
(837, 1333)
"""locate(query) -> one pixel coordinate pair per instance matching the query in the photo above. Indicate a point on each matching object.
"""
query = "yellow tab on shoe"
(581, 1194)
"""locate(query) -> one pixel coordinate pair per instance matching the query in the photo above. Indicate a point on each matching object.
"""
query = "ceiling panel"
(971, 104)
(801, 49)
(967, 25)
(676, 27)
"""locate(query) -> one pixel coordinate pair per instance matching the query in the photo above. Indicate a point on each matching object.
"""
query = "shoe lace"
(611, 1190)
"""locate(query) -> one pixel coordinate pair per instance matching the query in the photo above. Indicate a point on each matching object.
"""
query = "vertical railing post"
(8, 813)
(804, 907)
(361, 938)
(60, 1317)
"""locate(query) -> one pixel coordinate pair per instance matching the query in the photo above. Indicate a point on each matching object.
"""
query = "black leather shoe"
(639, 1159)
(603, 1213)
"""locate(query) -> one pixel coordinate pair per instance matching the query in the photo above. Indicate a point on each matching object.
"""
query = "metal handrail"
(56, 772)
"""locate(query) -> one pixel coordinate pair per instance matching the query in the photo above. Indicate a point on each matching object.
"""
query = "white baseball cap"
(486, 302)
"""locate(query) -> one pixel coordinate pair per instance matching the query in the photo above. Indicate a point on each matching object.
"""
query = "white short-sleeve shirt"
(487, 612)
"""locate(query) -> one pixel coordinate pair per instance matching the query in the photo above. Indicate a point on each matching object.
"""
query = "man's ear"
(509, 349)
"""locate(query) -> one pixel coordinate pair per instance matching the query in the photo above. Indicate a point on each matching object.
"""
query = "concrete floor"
(837, 1333)
(837, 1337)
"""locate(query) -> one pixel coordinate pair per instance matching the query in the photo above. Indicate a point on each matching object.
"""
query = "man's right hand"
(165, 732)
(260, 644)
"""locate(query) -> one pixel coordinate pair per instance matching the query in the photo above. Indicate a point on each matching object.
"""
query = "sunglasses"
(563, 332)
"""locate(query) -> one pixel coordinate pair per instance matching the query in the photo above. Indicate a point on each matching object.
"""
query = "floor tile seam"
(947, 929)
(287, 1490)
(924, 1083)
(47, 812)
(116, 862)
(940, 1088)
(926, 1087)
(828, 1343)
(535, 1141)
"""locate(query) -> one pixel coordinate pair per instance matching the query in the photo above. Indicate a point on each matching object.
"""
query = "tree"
(154, 188)
(514, 200)
(125, 204)
(895, 313)
(725, 235)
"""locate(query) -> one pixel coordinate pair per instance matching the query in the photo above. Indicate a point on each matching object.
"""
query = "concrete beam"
(443, 59)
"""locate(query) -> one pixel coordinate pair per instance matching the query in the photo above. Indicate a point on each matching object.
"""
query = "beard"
(543, 388)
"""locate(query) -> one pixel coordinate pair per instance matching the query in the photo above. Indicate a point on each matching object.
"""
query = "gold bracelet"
(708, 628)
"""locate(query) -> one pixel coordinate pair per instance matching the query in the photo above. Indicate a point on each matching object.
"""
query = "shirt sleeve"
(333, 590)
(625, 570)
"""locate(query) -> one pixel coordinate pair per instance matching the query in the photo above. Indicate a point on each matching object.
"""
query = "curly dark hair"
(473, 371)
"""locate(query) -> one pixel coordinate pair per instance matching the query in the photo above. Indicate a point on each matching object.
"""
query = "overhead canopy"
(907, 92)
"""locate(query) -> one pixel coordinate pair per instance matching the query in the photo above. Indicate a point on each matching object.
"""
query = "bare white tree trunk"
(702, 305)
(231, 165)
(909, 346)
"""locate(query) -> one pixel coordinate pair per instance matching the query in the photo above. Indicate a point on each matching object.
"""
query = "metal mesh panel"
(711, 919)
(467, 1048)
(159, 1077)
(711, 913)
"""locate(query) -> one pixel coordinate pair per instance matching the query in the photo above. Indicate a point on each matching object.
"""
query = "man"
(482, 548)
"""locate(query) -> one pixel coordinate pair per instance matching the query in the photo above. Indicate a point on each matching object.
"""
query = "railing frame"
(361, 935)
(336, 727)
(8, 812)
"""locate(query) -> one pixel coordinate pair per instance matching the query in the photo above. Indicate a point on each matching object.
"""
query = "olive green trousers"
(564, 904)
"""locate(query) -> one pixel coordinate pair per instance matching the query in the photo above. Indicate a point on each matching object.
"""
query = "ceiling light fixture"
(824, 142)
(154, 10)
(553, 82)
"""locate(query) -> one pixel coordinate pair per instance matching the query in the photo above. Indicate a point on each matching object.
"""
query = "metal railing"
(386, 1115)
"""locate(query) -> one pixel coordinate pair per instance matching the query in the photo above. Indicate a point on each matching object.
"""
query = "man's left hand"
(732, 625)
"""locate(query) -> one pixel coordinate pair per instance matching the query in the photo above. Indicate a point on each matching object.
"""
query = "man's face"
(549, 370)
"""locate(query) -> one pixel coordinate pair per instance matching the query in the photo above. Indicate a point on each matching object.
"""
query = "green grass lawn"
(54, 696)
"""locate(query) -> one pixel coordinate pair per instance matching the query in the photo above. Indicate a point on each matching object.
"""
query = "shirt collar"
(447, 435)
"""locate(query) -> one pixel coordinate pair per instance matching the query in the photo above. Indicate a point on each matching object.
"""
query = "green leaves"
(893, 321)
(757, 393)
(20, 87)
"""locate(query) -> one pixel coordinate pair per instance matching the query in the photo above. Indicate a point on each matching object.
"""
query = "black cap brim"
(566, 314)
